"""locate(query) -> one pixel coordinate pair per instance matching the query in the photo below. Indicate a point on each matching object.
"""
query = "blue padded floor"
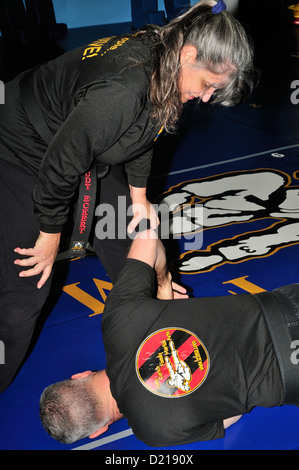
(249, 243)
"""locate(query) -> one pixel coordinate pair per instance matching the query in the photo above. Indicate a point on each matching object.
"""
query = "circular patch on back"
(172, 362)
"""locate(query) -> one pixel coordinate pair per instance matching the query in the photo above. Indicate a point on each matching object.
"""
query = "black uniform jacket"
(95, 102)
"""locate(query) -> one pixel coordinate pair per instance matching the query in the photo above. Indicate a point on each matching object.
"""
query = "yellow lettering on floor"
(88, 300)
(242, 283)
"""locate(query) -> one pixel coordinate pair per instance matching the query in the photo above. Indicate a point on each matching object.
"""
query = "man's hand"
(168, 290)
(179, 292)
(41, 257)
(147, 247)
(229, 421)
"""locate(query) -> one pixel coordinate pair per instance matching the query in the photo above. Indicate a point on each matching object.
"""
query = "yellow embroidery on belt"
(160, 132)
(295, 9)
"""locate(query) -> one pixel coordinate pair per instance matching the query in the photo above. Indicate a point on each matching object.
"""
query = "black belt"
(88, 184)
(84, 214)
(277, 312)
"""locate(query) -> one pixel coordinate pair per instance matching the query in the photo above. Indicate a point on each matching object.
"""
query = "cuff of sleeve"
(51, 228)
(137, 181)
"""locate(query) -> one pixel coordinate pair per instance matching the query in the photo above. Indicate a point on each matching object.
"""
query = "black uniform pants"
(20, 301)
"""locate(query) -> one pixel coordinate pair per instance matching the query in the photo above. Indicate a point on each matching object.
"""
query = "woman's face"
(196, 82)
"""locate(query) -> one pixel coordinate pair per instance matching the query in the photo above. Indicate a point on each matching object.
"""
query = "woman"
(103, 106)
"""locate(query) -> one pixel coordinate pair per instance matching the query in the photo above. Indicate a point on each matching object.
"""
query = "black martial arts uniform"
(178, 368)
(94, 101)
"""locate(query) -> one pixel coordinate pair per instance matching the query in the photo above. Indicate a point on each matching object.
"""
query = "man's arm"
(147, 247)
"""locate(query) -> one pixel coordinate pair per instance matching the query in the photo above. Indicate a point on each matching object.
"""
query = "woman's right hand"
(42, 257)
(142, 209)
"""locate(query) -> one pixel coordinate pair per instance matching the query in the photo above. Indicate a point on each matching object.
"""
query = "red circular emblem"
(172, 362)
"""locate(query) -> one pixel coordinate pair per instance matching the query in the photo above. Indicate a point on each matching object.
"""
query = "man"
(179, 369)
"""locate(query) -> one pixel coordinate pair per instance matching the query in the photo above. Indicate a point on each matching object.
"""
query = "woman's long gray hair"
(222, 47)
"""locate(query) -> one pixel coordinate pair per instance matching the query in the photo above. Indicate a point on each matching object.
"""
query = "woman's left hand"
(40, 258)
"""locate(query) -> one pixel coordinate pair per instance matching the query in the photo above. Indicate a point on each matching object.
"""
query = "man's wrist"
(164, 278)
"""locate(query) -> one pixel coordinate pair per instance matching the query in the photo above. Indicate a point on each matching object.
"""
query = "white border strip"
(225, 161)
(105, 440)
